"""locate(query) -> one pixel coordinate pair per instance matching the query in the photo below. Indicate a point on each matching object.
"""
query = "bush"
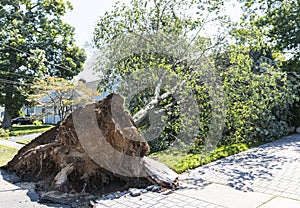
(294, 116)
(4, 134)
(257, 102)
(37, 123)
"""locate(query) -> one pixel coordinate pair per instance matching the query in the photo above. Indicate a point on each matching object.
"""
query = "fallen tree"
(97, 149)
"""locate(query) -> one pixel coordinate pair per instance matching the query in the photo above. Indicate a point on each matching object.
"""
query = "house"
(47, 114)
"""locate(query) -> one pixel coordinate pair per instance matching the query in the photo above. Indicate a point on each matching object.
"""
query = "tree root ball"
(87, 152)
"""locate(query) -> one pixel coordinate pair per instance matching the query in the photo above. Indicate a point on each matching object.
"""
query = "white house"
(47, 114)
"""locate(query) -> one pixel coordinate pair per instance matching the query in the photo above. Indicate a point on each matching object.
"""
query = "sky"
(86, 13)
(84, 17)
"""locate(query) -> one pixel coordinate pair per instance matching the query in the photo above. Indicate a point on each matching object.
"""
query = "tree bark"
(6, 124)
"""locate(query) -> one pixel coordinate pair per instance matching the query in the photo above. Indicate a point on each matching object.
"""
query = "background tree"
(280, 23)
(61, 94)
(34, 42)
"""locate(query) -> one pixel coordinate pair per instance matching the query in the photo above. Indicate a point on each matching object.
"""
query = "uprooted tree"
(154, 54)
(96, 149)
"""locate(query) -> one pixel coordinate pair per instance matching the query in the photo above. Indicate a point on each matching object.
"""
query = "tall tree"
(280, 21)
(34, 42)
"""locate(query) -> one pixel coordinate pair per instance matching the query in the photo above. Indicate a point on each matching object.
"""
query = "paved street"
(19, 195)
(11, 144)
(24, 137)
(267, 177)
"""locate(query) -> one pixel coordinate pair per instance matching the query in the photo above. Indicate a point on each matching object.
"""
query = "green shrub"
(37, 123)
(294, 116)
(257, 102)
(4, 134)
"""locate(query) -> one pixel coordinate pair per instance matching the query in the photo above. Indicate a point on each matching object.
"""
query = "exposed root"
(92, 160)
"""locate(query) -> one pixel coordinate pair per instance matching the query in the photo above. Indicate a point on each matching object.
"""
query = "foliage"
(281, 24)
(257, 102)
(275, 25)
(7, 153)
(295, 120)
(4, 134)
(145, 52)
(294, 117)
(154, 56)
(37, 123)
(28, 129)
(34, 42)
(60, 93)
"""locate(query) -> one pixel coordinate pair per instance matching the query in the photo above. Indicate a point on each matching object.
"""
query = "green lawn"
(28, 129)
(181, 162)
(6, 154)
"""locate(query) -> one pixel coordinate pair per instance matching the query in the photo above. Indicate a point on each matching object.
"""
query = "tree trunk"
(9, 92)
(6, 124)
(96, 149)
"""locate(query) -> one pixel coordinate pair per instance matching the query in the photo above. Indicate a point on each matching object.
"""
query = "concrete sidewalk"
(211, 195)
(24, 137)
(11, 144)
(266, 177)
(19, 195)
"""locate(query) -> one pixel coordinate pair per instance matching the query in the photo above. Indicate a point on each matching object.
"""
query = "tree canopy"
(280, 21)
(155, 54)
(61, 94)
(34, 42)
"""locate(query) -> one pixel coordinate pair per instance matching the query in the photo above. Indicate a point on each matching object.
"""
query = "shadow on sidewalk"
(240, 171)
